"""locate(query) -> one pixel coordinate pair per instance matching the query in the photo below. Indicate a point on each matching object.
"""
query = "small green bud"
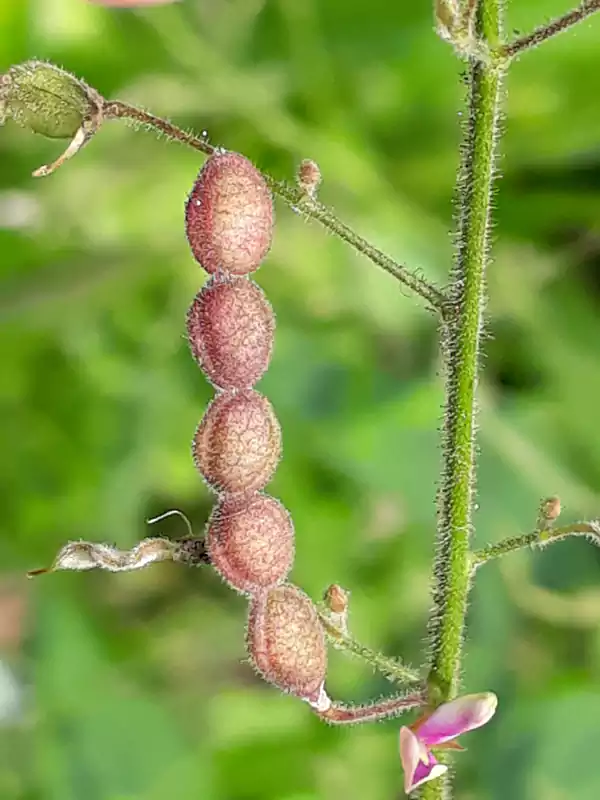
(53, 103)
(46, 99)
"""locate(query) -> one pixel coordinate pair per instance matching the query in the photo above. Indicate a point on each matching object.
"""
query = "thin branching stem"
(294, 197)
(549, 31)
(537, 538)
(386, 708)
(392, 668)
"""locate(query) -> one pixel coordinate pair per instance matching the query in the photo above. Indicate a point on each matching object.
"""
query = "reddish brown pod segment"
(230, 329)
(286, 642)
(250, 542)
(229, 215)
(237, 446)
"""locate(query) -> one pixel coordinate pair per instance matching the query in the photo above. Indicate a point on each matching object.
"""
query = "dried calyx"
(81, 556)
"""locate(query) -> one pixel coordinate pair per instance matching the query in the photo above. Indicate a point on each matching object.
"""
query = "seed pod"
(230, 329)
(238, 443)
(286, 642)
(229, 215)
(250, 542)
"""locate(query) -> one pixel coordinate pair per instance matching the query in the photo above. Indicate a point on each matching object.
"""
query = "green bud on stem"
(51, 102)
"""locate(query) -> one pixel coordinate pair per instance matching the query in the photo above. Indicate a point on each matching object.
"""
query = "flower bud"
(286, 642)
(238, 443)
(250, 542)
(446, 16)
(230, 328)
(46, 99)
(336, 599)
(229, 215)
(550, 509)
(309, 177)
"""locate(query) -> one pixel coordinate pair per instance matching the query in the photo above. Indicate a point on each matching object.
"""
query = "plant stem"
(296, 198)
(461, 342)
(540, 538)
(390, 667)
(545, 32)
(340, 714)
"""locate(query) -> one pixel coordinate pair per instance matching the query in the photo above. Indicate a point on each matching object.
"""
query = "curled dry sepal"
(439, 730)
(80, 556)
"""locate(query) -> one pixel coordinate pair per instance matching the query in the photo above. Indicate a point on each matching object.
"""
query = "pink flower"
(440, 729)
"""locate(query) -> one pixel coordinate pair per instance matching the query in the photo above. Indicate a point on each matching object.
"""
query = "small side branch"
(392, 668)
(387, 708)
(591, 530)
(549, 31)
(295, 197)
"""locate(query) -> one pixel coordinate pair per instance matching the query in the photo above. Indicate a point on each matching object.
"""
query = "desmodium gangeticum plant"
(249, 538)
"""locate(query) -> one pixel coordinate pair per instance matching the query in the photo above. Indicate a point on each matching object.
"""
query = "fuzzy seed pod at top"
(286, 642)
(250, 542)
(230, 329)
(229, 215)
(237, 446)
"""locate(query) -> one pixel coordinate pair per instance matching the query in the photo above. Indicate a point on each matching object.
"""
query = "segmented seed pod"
(238, 443)
(230, 328)
(250, 542)
(229, 215)
(286, 642)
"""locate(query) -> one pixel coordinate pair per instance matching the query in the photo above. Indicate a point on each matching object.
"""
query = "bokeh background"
(134, 686)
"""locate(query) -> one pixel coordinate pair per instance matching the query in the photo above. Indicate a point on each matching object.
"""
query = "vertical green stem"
(461, 342)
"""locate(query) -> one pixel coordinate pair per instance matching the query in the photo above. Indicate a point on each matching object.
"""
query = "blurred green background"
(134, 686)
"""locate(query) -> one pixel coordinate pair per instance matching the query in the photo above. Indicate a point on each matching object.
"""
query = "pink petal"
(418, 763)
(457, 717)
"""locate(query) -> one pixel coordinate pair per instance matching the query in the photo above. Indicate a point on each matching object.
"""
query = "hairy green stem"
(295, 197)
(390, 667)
(386, 708)
(545, 32)
(461, 343)
(538, 538)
